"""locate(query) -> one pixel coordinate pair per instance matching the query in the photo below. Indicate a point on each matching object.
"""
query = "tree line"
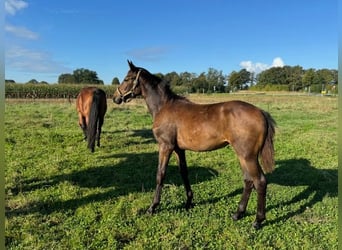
(289, 78)
(298, 79)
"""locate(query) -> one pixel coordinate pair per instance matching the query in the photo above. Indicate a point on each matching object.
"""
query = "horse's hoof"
(237, 216)
(189, 205)
(257, 225)
(150, 211)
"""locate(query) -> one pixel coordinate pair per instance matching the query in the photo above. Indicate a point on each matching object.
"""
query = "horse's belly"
(203, 148)
(201, 143)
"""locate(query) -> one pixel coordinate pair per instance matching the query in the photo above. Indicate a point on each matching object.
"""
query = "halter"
(131, 91)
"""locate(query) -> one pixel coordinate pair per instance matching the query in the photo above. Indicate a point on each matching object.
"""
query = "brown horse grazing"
(179, 125)
(91, 105)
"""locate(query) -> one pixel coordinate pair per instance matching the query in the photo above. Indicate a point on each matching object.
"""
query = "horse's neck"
(155, 100)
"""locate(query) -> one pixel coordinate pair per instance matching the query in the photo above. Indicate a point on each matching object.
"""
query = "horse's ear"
(131, 65)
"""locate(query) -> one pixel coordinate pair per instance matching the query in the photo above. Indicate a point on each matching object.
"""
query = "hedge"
(16, 90)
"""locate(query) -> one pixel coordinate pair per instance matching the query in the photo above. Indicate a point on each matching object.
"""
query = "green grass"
(59, 196)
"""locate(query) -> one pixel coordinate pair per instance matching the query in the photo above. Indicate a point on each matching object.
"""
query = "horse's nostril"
(117, 100)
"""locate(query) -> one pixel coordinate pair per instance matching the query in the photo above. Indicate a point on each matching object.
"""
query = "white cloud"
(149, 53)
(253, 67)
(21, 32)
(12, 6)
(26, 60)
(259, 67)
(277, 62)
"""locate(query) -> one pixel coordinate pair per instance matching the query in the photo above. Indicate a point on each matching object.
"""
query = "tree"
(245, 78)
(294, 77)
(275, 75)
(200, 83)
(86, 76)
(326, 76)
(215, 80)
(80, 76)
(173, 78)
(66, 79)
(115, 81)
(187, 80)
(308, 77)
(186, 77)
(233, 81)
(32, 81)
(239, 80)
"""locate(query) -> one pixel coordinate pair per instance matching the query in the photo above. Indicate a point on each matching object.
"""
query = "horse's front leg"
(164, 157)
(184, 173)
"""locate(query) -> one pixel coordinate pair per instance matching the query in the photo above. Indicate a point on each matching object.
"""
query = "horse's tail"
(93, 120)
(267, 151)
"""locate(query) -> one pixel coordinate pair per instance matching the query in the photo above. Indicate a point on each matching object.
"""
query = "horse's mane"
(163, 85)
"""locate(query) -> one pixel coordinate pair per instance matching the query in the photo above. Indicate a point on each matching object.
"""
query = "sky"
(44, 39)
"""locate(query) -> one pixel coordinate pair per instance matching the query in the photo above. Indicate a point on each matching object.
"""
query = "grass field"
(59, 196)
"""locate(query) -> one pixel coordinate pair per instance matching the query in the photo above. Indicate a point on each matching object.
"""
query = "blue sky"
(47, 38)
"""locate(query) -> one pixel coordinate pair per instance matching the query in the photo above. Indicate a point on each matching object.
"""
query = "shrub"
(14, 90)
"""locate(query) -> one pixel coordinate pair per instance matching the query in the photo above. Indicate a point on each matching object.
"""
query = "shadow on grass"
(145, 136)
(135, 173)
(318, 184)
(294, 173)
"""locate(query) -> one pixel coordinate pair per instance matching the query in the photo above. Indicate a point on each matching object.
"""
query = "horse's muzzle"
(117, 100)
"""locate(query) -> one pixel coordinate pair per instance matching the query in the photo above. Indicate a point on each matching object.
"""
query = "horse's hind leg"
(99, 129)
(98, 134)
(260, 185)
(82, 123)
(184, 173)
(253, 178)
(247, 189)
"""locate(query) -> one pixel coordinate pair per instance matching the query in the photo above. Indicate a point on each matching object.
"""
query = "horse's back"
(210, 116)
(242, 115)
(204, 127)
(85, 98)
